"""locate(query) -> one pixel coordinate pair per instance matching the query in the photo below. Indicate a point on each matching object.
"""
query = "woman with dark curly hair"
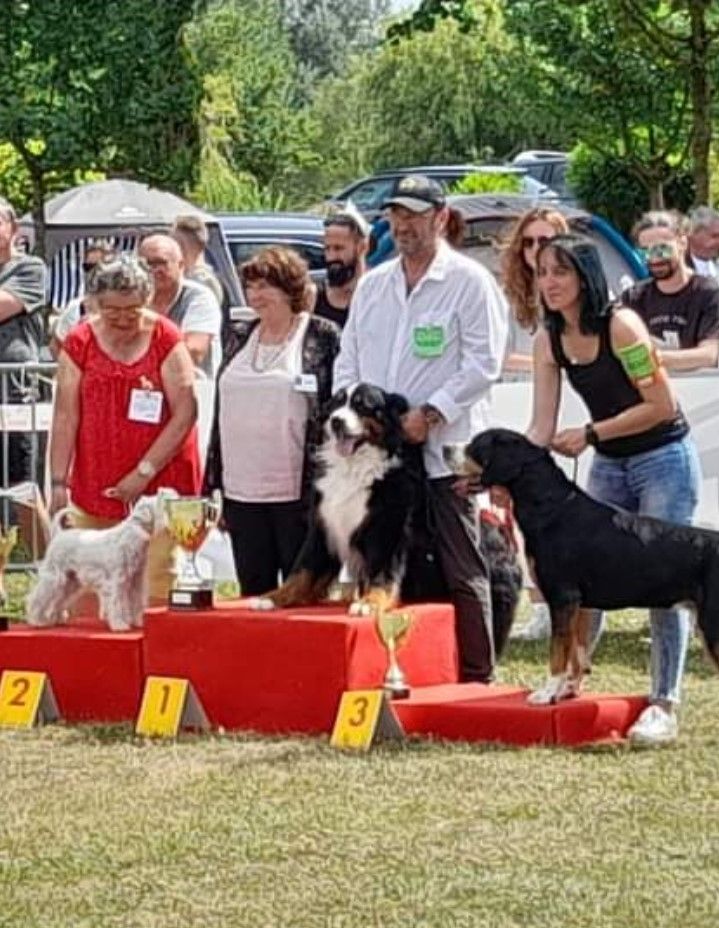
(519, 259)
(276, 374)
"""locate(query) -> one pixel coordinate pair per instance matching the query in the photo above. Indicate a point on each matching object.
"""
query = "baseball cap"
(417, 193)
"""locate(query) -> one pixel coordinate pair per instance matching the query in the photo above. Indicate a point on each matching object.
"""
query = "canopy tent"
(122, 210)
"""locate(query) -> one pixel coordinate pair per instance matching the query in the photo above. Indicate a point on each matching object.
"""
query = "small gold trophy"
(189, 520)
(392, 628)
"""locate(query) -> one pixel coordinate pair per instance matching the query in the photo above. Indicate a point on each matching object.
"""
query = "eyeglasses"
(152, 263)
(662, 251)
(529, 242)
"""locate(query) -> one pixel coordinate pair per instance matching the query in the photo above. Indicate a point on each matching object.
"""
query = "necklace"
(263, 360)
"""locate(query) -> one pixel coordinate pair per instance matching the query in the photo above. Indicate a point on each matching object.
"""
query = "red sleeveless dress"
(109, 444)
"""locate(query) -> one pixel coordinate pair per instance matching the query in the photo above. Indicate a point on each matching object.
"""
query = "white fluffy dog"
(111, 561)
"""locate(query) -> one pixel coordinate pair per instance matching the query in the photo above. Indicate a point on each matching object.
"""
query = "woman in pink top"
(125, 409)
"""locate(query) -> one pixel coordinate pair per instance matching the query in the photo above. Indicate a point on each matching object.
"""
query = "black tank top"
(607, 390)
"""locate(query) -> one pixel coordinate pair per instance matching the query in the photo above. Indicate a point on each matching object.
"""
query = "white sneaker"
(653, 727)
(537, 628)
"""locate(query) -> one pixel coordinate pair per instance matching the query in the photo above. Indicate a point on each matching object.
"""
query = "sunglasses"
(529, 242)
(662, 251)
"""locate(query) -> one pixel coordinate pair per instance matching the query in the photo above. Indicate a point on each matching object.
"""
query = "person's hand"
(58, 499)
(128, 489)
(415, 427)
(570, 442)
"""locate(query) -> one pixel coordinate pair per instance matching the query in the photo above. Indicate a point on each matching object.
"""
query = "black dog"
(587, 554)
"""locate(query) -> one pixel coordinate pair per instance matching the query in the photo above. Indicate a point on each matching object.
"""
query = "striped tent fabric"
(66, 281)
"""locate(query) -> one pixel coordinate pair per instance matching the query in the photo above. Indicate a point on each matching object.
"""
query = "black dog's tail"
(708, 607)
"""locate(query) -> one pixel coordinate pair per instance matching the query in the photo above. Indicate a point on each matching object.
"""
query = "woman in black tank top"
(644, 458)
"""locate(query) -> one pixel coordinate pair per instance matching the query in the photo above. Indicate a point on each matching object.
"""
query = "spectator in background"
(190, 233)
(519, 279)
(346, 243)
(190, 305)
(276, 374)
(125, 410)
(702, 253)
(22, 297)
(678, 306)
(76, 310)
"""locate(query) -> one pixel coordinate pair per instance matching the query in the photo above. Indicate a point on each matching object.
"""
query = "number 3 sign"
(363, 717)
(26, 698)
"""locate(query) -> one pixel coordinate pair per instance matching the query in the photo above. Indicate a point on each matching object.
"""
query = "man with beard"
(346, 243)
(679, 307)
(432, 325)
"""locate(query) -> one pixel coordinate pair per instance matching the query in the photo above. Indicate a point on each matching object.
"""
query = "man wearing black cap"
(432, 325)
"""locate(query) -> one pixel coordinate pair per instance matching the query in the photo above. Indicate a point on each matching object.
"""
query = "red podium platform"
(475, 712)
(96, 675)
(285, 671)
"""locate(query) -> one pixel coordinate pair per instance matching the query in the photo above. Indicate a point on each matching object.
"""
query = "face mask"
(339, 274)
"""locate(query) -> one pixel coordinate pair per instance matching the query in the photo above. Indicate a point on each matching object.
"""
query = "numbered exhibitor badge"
(26, 699)
(364, 717)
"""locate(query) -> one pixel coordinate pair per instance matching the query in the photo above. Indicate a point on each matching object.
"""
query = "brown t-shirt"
(681, 319)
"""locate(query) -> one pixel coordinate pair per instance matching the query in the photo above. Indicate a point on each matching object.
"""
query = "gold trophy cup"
(392, 628)
(189, 520)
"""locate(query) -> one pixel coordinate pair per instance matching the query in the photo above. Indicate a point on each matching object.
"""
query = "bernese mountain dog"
(370, 514)
(367, 486)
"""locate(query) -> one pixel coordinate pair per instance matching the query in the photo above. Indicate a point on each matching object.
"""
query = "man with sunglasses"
(679, 307)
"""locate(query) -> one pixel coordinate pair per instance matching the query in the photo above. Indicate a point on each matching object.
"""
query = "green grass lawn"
(100, 829)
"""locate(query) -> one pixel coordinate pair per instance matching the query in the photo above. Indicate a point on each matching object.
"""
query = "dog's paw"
(554, 690)
(359, 608)
(260, 604)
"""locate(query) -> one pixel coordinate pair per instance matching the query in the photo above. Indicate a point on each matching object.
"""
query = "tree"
(256, 140)
(323, 34)
(117, 95)
(431, 12)
(597, 76)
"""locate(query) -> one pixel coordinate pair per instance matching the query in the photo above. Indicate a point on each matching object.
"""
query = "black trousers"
(467, 575)
(266, 539)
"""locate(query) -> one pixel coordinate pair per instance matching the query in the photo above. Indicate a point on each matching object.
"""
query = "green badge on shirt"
(428, 341)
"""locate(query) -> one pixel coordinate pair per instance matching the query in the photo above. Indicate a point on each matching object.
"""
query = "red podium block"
(475, 712)
(97, 675)
(285, 671)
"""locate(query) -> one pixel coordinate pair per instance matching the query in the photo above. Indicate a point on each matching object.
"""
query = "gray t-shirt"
(197, 310)
(22, 334)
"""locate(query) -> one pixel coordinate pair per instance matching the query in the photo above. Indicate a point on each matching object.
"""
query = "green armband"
(640, 363)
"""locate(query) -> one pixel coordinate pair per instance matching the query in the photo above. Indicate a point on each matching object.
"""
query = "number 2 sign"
(26, 698)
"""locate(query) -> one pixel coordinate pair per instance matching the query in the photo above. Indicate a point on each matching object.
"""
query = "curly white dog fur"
(111, 561)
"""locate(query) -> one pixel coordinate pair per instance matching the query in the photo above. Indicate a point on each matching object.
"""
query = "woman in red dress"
(124, 421)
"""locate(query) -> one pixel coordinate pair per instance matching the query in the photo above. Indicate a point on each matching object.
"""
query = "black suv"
(247, 233)
(370, 193)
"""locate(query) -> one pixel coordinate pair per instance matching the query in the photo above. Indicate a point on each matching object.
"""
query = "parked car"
(370, 193)
(247, 233)
(547, 167)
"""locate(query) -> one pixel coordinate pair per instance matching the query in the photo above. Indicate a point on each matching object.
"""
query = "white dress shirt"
(462, 307)
(706, 267)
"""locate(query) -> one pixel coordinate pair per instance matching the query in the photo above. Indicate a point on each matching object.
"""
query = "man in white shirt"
(191, 306)
(432, 325)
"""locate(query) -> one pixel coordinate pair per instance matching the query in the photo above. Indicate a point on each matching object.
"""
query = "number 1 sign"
(168, 704)
(26, 699)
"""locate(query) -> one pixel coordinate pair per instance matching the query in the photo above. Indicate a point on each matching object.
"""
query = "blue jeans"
(663, 483)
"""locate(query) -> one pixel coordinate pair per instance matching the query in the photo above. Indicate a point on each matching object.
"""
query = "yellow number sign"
(362, 717)
(169, 703)
(26, 698)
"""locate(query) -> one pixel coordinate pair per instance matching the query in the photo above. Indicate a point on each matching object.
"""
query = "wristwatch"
(432, 415)
(146, 469)
(590, 433)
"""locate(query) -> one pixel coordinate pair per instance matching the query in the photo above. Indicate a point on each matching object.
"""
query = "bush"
(488, 183)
